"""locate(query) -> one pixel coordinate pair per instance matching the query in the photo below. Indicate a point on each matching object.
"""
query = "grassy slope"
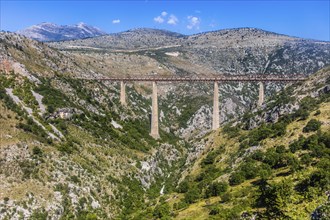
(245, 192)
(301, 210)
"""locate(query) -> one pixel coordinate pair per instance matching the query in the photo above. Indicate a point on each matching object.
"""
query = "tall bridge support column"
(154, 113)
(123, 93)
(261, 93)
(216, 116)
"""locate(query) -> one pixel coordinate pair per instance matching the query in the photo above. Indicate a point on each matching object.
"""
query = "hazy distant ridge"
(53, 32)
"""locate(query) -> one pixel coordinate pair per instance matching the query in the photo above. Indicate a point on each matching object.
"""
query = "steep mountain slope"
(233, 51)
(53, 32)
(69, 150)
(230, 51)
(250, 51)
(276, 170)
(135, 39)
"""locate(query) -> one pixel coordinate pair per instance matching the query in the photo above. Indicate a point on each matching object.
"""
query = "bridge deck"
(221, 78)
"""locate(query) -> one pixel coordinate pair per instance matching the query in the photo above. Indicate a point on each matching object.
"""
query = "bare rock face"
(229, 109)
(158, 164)
(199, 123)
(324, 90)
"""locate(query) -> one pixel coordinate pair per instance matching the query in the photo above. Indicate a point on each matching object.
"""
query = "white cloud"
(193, 22)
(116, 21)
(164, 13)
(173, 20)
(159, 19)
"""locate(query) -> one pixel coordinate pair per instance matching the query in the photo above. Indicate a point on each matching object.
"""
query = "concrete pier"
(261, 78)
(154, 113)
(123, 93)
(216, 116)
(261, 93)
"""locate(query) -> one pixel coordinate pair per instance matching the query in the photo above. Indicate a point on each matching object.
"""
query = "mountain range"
(69, 149)
(52, 32)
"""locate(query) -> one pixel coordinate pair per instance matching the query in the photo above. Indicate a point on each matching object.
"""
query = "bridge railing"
(220, 78)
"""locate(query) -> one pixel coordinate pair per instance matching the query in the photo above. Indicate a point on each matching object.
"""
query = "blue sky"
(307, 19)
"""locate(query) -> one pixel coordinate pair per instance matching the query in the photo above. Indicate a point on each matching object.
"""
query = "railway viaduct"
(154, 132)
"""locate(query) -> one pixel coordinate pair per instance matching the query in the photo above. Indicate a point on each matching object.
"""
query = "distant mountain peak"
(47, 31)
(84, 25)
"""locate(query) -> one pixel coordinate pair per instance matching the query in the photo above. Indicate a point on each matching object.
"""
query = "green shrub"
(271, 158)
(183, 186)
(208, 174)
(214, 211)
(275, 198)
(192, 195)
(249, 169)
(319, 179)
(37, 151)
(258, 155)
(279, 129)
(75, 179)
(307, 104)
(209, 159)
(264, 131)
(265, 171)
(216, 189)
(306, 159)
(161, 211)
(226, 197)
(67, 147)
(231, 131)
(312, 125)
(291, 161)
(297, 145)
(325, 139)
(236, 178)
(301, 113)
(280, 149)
